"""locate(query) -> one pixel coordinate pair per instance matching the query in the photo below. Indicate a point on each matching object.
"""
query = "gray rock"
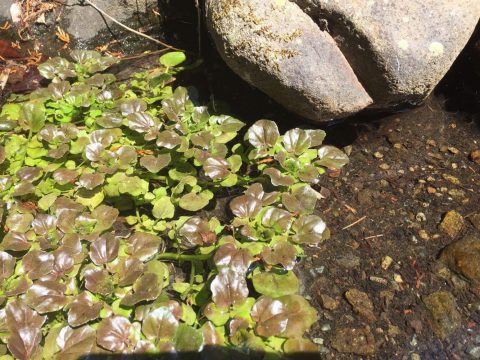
(400, 50)
(5, 10)
(85, 23)
(275, 46)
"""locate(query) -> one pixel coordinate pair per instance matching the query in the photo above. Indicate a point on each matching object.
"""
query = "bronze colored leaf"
(98, 281)
(287, 316)
(38, 263)
(245, 206)
(216, 168)
(74, 343)
(83, 309)
(145, 288)
(229, 288)
(282, 252)
(46, 296)
(15, 241)
(143, 246)
(228, 256)
(116, 334)
(160, 324)
(7, 265)
(24, 325)
(196, 232)
(104, 249)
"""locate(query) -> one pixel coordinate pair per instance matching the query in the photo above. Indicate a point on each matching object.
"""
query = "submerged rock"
(463, 257)
(452, 224)
(276, 47)
(399, 50)
(354, 341)
(443, 310)
(361, 304)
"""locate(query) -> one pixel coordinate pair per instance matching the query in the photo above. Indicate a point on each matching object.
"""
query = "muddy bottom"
(406, 172)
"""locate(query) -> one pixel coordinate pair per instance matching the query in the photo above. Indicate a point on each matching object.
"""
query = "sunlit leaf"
(263, 134)
(46, 296)
(145, 288)
(160, 324)
(287, 316)
(172, 59)
(24, 325)
(282, 252)
(296, 141)
(310, 229)
(104, 249)
(245, 206)
(116, 334)
(229, 288)
(98, 281)
(143, 246)
(274, 284)
(155, 163)
(7, 265)
(196, 232)
(216, 168)
(83, 309)
(331, 157)
(278, 219)
(74, 343)
(228, 256)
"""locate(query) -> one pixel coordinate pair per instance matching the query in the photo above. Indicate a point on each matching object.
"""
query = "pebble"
(378, 155)
(453, 150)
(475, 156)
(379, 280)
(415, 356)
(452, 179)
(474, 352)
(384, 166)
(326, 327)
(431, 190)
(446, 318)
(328, 302)
(398, 278)
(361, 304)
(354, 341)
(386, 262)
(421, 217)
(452, 224)
(463, 257)
(423, 235)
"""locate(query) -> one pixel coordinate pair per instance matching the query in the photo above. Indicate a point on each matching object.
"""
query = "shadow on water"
(226, 92)
(208, 353)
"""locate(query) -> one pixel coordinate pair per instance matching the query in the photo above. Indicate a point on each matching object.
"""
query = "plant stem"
(183, 257)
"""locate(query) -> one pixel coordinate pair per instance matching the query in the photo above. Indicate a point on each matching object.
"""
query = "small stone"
(318, 341)
(398, 278)
(463, 257)
(456, 193)
(474, 352)
(328, 302)
(420, 217)
(397, 146)
(423, 235)
(384, 166)
(454, 166)
(443, 310)
(386, 262)
(443, 148)
(354, 341)
(431, 190)
(431, 142)
(349, 261)
(475, 156)
(326, 327)
(415, 356)
(453, 150)
(452, 179)
(393, 330)
(361, 304)
(379, 280)
(452, 224)
(378, 155)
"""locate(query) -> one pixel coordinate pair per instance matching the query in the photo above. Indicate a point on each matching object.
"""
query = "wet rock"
(443, 310)
(349, 261)
(361, 304)
(463, 257)
(5, 10)
(475, 156)
(399, 49)
(452, 224)
(133, 13)
(475, 220)
(354, 341)
(276, 47)
(328, 302)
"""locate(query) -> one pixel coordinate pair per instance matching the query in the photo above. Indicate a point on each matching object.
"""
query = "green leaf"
(274, 285)
(163, 208)
(331, 157)
(195, 202)
(172, 59)
(187, 339)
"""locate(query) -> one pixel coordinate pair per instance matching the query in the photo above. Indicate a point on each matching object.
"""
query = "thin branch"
(354, 223)
(128, 28)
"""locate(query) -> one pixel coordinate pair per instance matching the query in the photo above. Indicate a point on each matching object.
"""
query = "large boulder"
(276, 47)
(399, 50)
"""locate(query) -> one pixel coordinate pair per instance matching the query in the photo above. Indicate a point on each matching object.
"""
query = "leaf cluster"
(104, 185)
